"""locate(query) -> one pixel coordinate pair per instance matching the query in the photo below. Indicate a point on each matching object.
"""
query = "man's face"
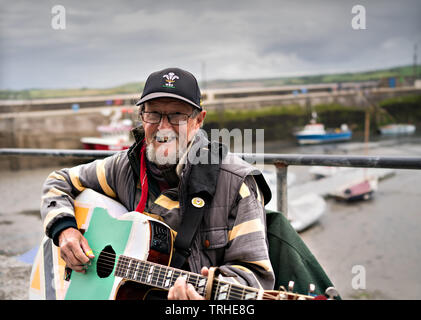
(167, 141)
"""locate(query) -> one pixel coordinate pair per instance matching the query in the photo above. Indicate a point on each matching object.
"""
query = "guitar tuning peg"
(331, 292)
(291, 285)
(282, 294)
(311, 289)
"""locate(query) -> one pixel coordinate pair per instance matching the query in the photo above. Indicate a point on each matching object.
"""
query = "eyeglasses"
(176, 118)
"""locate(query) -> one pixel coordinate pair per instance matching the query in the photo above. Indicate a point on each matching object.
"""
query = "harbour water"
(369, 249)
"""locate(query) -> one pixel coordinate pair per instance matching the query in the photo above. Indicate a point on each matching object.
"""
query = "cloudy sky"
(107, 43)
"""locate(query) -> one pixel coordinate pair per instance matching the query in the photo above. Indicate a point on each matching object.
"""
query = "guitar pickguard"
(109, 229)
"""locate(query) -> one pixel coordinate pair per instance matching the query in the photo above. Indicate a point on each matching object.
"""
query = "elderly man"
(160, 175)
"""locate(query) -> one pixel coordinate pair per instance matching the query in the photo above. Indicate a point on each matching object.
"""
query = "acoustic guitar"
(132, 256)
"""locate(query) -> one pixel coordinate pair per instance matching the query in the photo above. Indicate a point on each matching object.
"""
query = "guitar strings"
(234, 292)
(160, 277)
(108, 263)
(140, 266)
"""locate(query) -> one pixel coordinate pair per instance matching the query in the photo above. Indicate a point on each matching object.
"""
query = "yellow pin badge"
(198, 202)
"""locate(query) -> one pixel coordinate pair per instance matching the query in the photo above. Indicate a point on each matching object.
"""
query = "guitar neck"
(164, 277)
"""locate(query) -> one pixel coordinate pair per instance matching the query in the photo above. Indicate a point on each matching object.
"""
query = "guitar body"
(132, 255)
(111, 231)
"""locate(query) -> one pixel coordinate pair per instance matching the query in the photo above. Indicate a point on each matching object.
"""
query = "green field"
(398, 72)
(136, 87)
(133, 87)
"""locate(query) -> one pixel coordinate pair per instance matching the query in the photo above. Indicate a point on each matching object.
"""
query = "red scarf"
(143, 180)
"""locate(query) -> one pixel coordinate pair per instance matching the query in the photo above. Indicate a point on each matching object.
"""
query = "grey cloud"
(107, 42)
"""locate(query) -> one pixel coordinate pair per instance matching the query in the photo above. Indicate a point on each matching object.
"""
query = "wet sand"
(381, 235)
(20, 227)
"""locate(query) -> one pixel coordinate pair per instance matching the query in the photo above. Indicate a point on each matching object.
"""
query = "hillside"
(398, 72)
(136, 87)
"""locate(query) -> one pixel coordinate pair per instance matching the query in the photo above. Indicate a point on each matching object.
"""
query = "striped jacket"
(231, 236)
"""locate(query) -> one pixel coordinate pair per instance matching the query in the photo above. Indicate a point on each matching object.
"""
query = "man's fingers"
(75, 249)
(79, 254)
(204, 271)
(171, 295)
(86, 248)
(79, 268)
(72, 238)
(183, 291)
(180, 289)
(73, 263)
(192, 293)
(74, 252)
(73, 255)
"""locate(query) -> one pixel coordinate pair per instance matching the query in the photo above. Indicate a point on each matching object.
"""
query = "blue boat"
(315, 133)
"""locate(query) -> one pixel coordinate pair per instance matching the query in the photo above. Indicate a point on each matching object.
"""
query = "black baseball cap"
(172, 83)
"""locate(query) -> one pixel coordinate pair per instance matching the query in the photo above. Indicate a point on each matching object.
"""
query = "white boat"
(304, 210)
(397, 129)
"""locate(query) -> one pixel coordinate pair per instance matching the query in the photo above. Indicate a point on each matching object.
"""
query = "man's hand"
(74, 249)
(184, 291)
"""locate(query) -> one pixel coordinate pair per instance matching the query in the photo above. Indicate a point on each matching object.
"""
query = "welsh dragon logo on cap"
(170, 79)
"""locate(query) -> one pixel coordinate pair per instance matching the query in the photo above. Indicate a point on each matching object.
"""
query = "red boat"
(116, 136)
(358, 190)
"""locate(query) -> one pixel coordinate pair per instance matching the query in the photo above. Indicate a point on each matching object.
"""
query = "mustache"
(165, 135)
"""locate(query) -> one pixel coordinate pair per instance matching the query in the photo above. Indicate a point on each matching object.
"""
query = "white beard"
(168, 153)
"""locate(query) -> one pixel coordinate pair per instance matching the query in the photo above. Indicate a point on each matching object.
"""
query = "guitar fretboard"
(164, 277)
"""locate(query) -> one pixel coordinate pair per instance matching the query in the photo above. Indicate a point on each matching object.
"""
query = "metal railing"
(280, 161)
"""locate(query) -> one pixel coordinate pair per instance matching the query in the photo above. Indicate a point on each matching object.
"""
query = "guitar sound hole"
(105, 263)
